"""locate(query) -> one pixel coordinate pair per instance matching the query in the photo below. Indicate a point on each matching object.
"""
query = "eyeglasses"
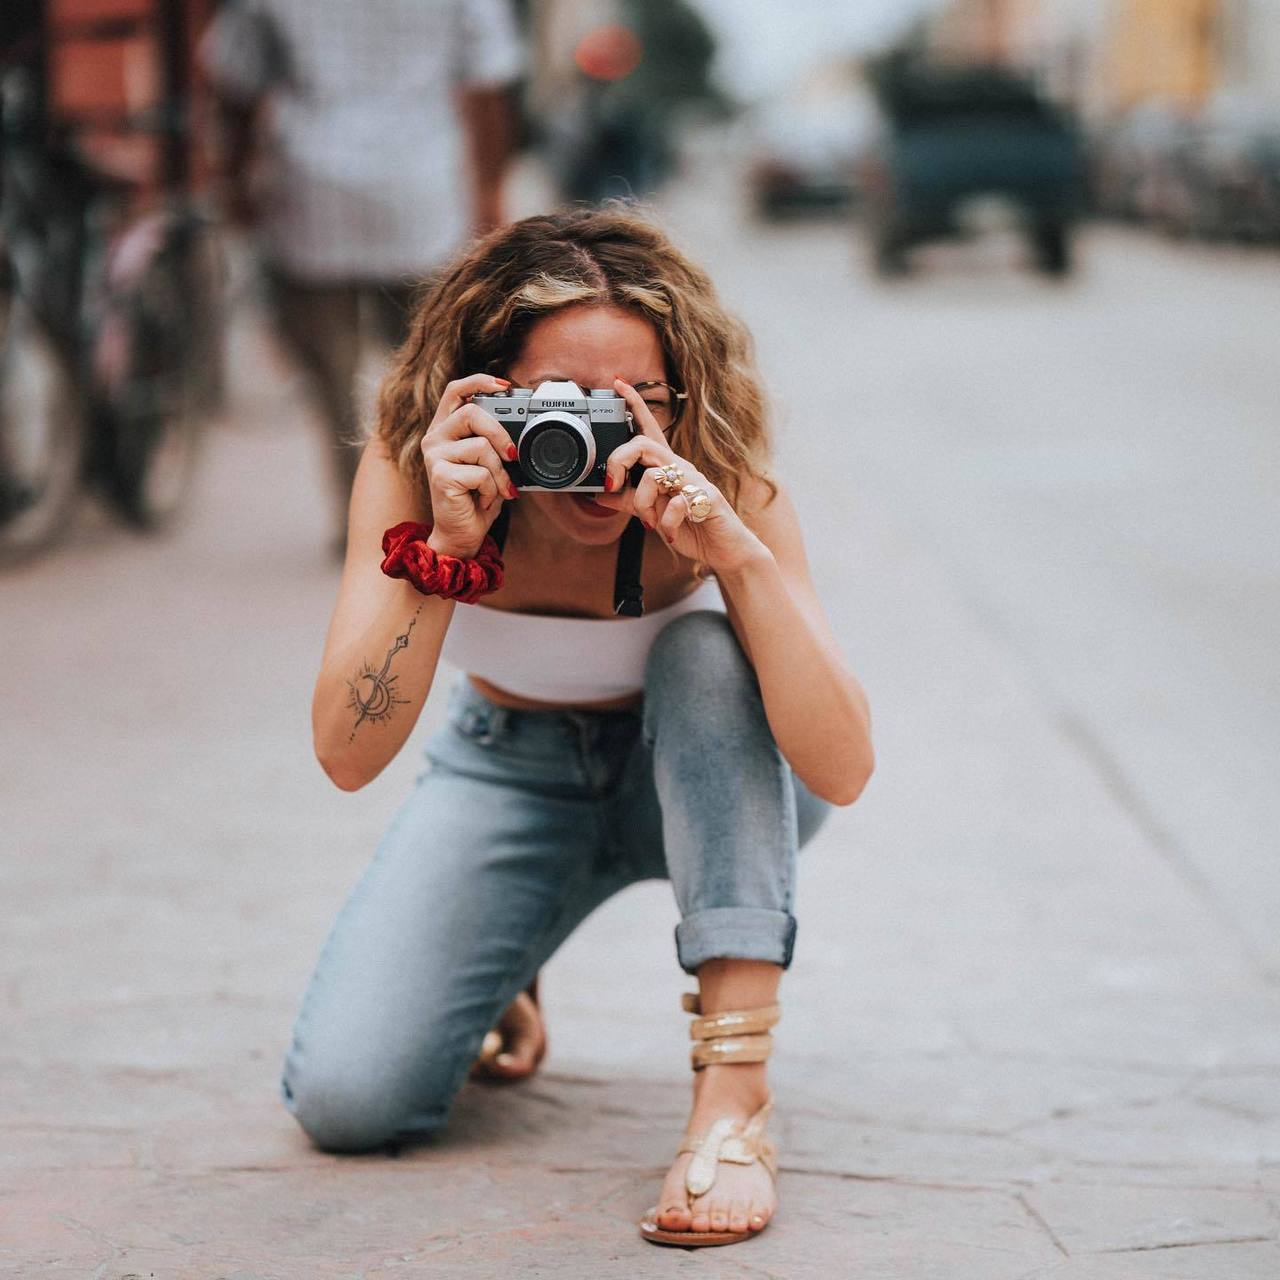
(664, 401)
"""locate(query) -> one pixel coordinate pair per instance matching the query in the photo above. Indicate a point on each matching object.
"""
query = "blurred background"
(1012, 268)
(159, 166)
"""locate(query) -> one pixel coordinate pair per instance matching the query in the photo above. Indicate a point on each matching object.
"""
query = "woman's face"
(591, 345)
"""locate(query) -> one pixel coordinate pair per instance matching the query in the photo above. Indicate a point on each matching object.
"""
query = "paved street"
(1032, 1027)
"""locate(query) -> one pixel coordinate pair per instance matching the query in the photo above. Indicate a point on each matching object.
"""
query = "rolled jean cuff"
(740, 933)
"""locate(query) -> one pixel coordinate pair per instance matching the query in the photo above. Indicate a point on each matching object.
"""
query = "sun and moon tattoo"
(372, 693)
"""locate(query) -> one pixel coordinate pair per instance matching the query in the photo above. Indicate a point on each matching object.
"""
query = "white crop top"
(568, 660)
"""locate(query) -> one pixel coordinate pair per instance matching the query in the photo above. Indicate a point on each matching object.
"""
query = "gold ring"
(669, 478)
(699, 501)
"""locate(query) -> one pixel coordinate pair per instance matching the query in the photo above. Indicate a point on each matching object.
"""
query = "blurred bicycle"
(110, 333)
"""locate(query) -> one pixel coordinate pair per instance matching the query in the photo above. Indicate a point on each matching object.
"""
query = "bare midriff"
(665, 581)
(517, 703)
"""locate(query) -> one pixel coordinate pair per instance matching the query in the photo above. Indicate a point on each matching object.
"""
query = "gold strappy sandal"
(735, 1035)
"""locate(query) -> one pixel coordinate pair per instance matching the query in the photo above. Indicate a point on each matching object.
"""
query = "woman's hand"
(463, 451)
(721, 541)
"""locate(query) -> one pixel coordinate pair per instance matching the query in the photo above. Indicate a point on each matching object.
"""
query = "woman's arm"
(384, 639)
(817, 710)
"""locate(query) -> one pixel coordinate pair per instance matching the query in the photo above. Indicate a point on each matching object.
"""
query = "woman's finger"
(478, 450)
(643, 414)
(472, 420)
(652, 498)
(489, 506)
(456, 478)
(457, 392)
(640, 448)
(673, 517)
(648, 497)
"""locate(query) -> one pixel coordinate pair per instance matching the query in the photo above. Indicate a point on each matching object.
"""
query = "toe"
(719, 1217)
(673, 1200)
(674, 1217)
(701, 1220)
(512, 1065)
(757, 1216)
(738, 1216)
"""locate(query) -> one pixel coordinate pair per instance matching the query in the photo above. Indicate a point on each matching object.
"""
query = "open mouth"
(589, 506)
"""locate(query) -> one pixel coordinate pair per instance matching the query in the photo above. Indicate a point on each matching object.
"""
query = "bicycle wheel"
(41, 434)
(156, 415)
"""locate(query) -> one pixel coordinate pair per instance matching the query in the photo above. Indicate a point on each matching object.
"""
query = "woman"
(703, 741)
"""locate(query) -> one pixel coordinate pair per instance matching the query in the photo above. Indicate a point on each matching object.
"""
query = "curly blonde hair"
(476, 315)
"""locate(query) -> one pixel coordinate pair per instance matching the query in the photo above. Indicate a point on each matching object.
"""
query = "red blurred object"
(435, 574)
(122, 76)
(609, 53)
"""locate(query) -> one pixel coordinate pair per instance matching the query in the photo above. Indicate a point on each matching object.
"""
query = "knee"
(697, 658)
(345, 1113)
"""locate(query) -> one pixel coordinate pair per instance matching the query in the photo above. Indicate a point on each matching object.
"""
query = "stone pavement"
(1021, 1039)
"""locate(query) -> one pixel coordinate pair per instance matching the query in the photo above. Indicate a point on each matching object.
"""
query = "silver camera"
(563, 435)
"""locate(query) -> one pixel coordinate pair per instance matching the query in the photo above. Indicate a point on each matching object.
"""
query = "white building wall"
(1251, 47)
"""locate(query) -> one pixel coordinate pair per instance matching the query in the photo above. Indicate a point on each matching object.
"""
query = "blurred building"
(1184, 52)
(1169, 50)
(1249, 39)
(1106, 56)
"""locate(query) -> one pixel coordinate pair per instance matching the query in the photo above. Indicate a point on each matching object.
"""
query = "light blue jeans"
(523, 823)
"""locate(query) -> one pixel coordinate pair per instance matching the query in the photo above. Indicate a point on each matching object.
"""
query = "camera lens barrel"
(557, 450)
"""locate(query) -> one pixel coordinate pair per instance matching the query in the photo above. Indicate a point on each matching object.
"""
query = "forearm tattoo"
(373, 691)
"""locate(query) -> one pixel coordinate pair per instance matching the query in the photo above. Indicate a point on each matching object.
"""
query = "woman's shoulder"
(762, 498)
(380, 490)
(766, 508)
(377, 456)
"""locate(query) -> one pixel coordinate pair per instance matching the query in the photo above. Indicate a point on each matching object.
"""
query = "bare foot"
(742, 1197)
(517, 1044)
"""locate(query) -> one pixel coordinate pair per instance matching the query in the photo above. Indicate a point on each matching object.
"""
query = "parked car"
(1136, 158)
(1233, 171)
(951, 138)
(1212, 174)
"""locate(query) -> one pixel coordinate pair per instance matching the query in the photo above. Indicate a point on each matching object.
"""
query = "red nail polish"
(670, 538)
(608, 483)
(511, 452)
(515, 493)
(647, 525)
(501, 381)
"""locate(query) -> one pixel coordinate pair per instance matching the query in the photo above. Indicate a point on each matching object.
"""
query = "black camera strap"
(628, 594)
(498, 529)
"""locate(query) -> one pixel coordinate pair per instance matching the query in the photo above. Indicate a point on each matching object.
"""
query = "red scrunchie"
(407, 555)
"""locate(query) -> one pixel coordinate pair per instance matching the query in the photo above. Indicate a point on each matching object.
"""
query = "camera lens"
(556, 452)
